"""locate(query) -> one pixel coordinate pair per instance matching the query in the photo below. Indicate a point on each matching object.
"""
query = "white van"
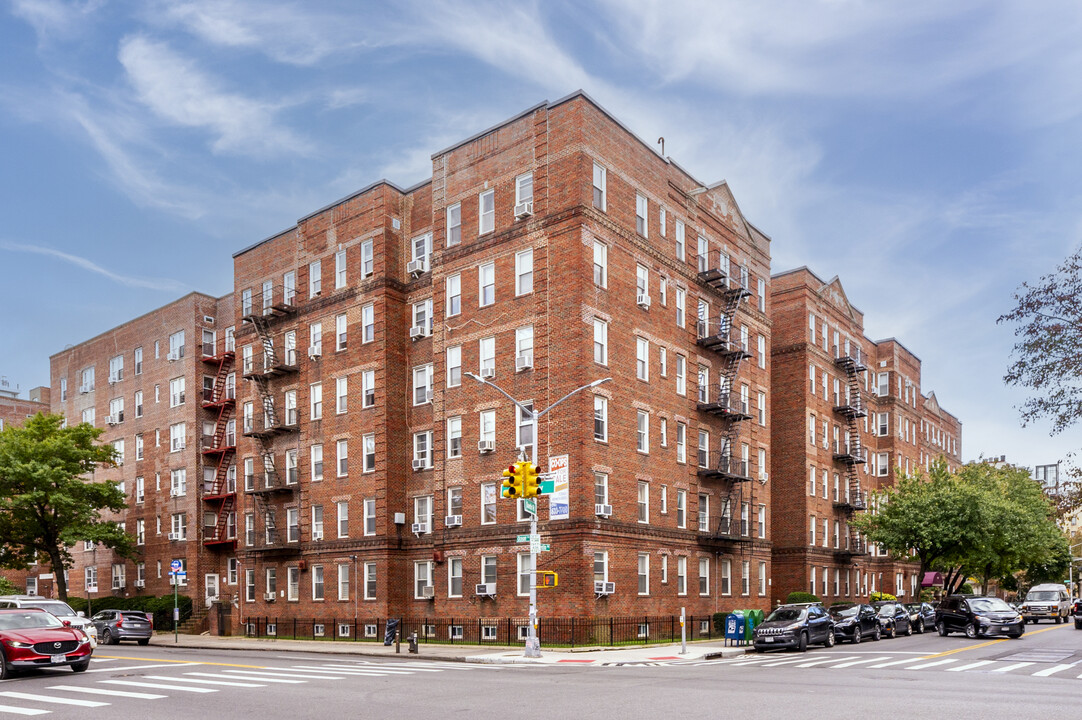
(1049, 601)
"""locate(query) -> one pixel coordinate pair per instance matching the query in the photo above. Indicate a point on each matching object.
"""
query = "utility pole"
(533, 643)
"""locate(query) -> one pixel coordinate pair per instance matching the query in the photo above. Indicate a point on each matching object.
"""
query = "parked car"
(1048, 601)
(116, 625)
(58, 608)
(32, 638)
(855, 621)
(795, 626)
(976, 616)
(894, 618)
(921, 615)
(1077, 612)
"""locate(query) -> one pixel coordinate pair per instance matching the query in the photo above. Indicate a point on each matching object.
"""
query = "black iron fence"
(507, 631)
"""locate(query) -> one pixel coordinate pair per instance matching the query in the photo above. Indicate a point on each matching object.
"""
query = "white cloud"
(139, 282)
(53, 19)
(178, 91)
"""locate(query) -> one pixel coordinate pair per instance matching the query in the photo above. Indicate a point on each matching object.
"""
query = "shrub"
(160, 607)
(966, 589)
(878, 596)
(801, 597)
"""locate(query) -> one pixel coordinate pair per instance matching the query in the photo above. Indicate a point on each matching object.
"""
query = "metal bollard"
(397, 639)
(413, 643)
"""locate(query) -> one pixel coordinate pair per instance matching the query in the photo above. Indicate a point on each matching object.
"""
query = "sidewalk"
(457, 653)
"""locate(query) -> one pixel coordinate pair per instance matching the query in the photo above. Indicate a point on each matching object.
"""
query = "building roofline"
(898, 342)
(811, 272)
(497, 126)
(136, 319)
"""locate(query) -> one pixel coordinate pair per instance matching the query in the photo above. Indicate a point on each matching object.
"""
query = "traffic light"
(530, 484)
(512, 482)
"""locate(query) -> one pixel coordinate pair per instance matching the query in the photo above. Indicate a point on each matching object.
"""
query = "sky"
(928, 153)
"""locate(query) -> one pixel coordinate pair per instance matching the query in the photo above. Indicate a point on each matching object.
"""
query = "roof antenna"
(661, 142)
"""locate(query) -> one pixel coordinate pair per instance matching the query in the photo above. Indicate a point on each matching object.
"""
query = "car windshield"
(887, 609)
(26, 620)
(1043, 596)
(784, 614)
(989, 605)
(914, 607)
(56, 608)
(845, 611)
(135, 615)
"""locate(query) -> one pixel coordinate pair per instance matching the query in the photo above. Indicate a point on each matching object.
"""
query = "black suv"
(922, 615)
(795, 626)
(855, 621)
(977, 616)
(1076, 610)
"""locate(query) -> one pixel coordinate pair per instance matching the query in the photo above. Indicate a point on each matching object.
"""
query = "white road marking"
(381, 666)
(306, 674)
(895, 662)
(227, 683)
(979, 663)
(107, 691)
(101, 660)
(156, 666)
(373, 671)
(827, 660)
(932, 664)
(1052, 670)
(248, 675)
(775, 663)
(1012, 667)
(160, 686)
(51, 699)
(858, 662)
(22, 711)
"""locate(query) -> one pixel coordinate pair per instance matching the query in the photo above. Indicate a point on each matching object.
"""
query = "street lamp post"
(533, 644)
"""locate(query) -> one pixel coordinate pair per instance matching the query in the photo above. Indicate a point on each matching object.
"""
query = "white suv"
(58, 608)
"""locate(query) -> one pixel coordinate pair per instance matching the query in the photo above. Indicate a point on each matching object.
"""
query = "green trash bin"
(749, 625)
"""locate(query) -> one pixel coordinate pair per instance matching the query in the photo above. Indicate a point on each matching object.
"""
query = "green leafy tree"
(7, 587)
(46, 501)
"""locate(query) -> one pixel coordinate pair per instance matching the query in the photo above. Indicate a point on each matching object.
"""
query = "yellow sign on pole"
(547, 579)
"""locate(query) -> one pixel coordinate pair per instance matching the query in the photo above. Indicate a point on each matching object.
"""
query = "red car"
(31, 638)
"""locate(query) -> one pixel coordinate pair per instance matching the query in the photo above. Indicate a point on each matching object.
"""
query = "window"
(726, 575)
(317, 462)
(524, 272)
(601, 488)
(367, 266)
(316, 401)
(342, 450)
(421, 248)
(762, 579)
(422, 315)
(524, 573)
(882, 464)
(883, 384)
(454, 366)
(293, 525)
(601, 264)
(487, 425)
(524, 188)
(340, 332)
(664, 431)
(486, 212)
(601, 418)
(315, 281)
(486, 284)
(524, 426)
(176, 392)
(642, 434)
(343, 582)
(601, 342)
(681, 442)
(177, 437)
(745, 577)
(454, 224)
(140, 532)
(524, 345)
(762, 408)
(488, 503)
(454, 295)
(663, 361)
(681, 246)
(368, 388)
(422, 384)
(601, 566)
(315, 339)
(760, 348)
(681, 299)
(422, 449)
(599, 188)
(681, 576)
(704, 576)
(339, 269)
(641, 214)
(343, 518)
(369, 516)
(644, 501)
(368, 323)
(681, 508)
(179, 525)
(662, 220)
(812, 525)
(369, 581)
(116, 369)
(317, 522)
(454, 437)
(368, 448)
(487, 356)
(642, 284)
(454, 577)
(317, 582)
(176, 346)
(140, 490)
(422, 575)
(340, 393)
(644, 574)
(642, 359)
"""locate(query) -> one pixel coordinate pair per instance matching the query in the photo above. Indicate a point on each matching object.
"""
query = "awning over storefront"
(931, 579)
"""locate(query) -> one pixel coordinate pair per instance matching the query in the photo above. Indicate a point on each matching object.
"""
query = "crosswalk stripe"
(160, 686)
(22, 711)
(382, 666)
(107, 691)
(227, 683)
(979, 663)
(307, 675)
(261, 677)
(895, 662)
(1012, 667)
(103, 660)
(786, 662)
(858, 662)
(156, 666)
(1052, 670)
(373, 671)
(51, 699)
(826, 660)
(932, 664)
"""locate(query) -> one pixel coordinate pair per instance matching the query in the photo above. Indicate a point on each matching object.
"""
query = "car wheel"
(856, 635)
(829, 642)
(144, 641)
(107, 637)
(1058, 619)
(878, 632)
(941, 628)
(971, 630)
(81, 666)
(803, 645)
(1015, 635)
(908, 629)
(4, 672)
(1078, 623)
(920, 626)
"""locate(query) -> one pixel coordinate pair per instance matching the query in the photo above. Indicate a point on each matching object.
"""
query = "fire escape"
(219, 451)
(852, 455)
(262, 373)
(719, 336)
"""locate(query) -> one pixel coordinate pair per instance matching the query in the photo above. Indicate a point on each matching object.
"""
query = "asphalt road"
(920, 677)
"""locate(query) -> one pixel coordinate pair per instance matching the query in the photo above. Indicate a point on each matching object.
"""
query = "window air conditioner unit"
(112, 420)
(140, 583)
(602, 510)
(524, 209)
(174, 536)
(180, 445)
(416, 267)
(173, 356)
(418, 331)
(428, 395)
(428, 592)
(524, 362)
(488, 372)
(642, 300)
(452, 520)
(604, 588)
(486, 446)
(488, 589)
(269, 597)
(419, 464)
(420, 528)
(84, 389)
(118, 585)
(113, 379)
(315, 351)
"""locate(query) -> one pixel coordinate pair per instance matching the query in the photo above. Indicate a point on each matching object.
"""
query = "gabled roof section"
(833, 291)
(931, 404)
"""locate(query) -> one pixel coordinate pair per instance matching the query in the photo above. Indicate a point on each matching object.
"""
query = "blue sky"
(926, 152)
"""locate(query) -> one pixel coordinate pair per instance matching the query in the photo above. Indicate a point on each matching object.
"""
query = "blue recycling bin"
(735, 627)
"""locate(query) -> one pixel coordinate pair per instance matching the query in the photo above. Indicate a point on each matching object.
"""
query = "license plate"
(59, 658)
(769, 639)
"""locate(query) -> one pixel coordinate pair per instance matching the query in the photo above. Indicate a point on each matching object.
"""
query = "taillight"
(120, 623)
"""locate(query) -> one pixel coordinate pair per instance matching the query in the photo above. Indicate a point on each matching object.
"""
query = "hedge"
(801, 597)
(879, 596)
(160, 607)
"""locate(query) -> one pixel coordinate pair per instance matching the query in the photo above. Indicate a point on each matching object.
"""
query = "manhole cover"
(1041, 656)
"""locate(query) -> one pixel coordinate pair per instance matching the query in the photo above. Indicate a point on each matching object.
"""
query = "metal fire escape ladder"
(852, 409)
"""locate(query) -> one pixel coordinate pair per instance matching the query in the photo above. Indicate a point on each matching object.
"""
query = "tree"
(7, 587)
(1047, 358)
(46, 501)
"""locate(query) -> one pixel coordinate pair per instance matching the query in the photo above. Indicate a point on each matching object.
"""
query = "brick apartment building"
(849, 414)
(150, 384)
